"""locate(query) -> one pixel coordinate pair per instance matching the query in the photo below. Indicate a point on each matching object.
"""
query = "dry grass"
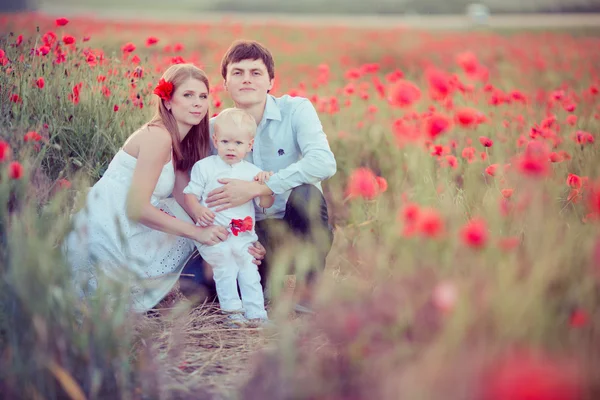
(203, 358)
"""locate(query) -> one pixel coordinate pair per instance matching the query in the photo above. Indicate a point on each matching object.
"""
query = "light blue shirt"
(290, 142)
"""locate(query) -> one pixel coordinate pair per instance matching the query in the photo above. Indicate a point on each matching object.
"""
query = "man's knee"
(308, 203)
(301, 195)
(307, 214)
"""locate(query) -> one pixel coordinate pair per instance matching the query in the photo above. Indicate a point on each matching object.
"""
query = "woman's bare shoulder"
(155, 131)
(150, 135)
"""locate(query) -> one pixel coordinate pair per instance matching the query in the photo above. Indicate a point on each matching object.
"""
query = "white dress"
(106, 241)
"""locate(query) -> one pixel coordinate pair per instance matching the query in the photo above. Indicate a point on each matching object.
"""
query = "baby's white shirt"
(203, 180)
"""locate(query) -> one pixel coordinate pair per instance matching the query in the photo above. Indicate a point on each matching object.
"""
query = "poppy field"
(466, 208)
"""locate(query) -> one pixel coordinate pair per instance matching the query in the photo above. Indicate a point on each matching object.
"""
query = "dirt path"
(515, 21)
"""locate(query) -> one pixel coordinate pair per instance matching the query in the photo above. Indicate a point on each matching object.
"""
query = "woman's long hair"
(196, 144)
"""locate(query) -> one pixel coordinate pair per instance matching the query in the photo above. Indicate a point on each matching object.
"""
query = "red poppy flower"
(535, 161)
(394, 76)
(572, 120)
(43, 50)
(68, 39)
(578, 318)
(451, 161)
(468, 117)
(582, 137)
(439, 83)
(383, 185)
(486, 141)
(574, 181)
(75, 92)
(468, 154)
(105, 91)
(409, 216)
(4, 151)
(151, 41)
(475, 233)
(468, 62)
(32, 137)
(62, 21)
(128, 47)
(525, 376)
(507, 193)
(15, 170)
(63, 184)
(403, 94)
(40, 82)
(431, 223)
(436, 125)
(164, 90)
(241, 225)
(594, 199)
(363, 183)
(491, 169)
(554, 157)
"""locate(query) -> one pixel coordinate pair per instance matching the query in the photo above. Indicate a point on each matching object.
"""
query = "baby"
(233, 136)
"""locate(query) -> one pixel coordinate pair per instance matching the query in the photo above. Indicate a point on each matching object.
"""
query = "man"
(289, 142)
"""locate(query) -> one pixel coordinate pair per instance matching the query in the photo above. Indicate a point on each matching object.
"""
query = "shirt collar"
(272, 109)
(224, 164)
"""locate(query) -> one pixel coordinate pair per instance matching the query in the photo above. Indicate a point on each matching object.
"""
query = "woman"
(127, 231)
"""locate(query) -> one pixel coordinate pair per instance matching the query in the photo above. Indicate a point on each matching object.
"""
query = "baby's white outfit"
(231, 262)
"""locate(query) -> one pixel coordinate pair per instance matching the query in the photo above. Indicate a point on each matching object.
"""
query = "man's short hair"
(247, 50)
(238, 117)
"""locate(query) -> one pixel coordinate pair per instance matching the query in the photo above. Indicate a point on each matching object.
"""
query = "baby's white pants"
(232, 265)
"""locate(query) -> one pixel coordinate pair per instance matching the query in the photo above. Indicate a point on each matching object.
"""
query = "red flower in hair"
(241, 225)
(163, 90)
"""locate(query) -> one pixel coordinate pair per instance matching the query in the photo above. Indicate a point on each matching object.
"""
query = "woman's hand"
(210, 235)
(258, 252)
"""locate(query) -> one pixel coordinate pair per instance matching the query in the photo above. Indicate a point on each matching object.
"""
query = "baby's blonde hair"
(240, 118)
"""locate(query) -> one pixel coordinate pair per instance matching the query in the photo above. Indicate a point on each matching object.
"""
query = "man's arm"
(317, 163)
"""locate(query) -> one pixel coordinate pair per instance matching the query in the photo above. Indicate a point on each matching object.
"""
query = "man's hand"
(233, 193)
(263, 176)
(258, 252)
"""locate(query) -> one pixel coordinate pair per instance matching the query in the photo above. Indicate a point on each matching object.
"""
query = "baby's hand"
(204, 216)
(263, 176)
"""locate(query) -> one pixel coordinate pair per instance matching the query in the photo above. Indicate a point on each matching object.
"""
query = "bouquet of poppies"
(240, 225)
